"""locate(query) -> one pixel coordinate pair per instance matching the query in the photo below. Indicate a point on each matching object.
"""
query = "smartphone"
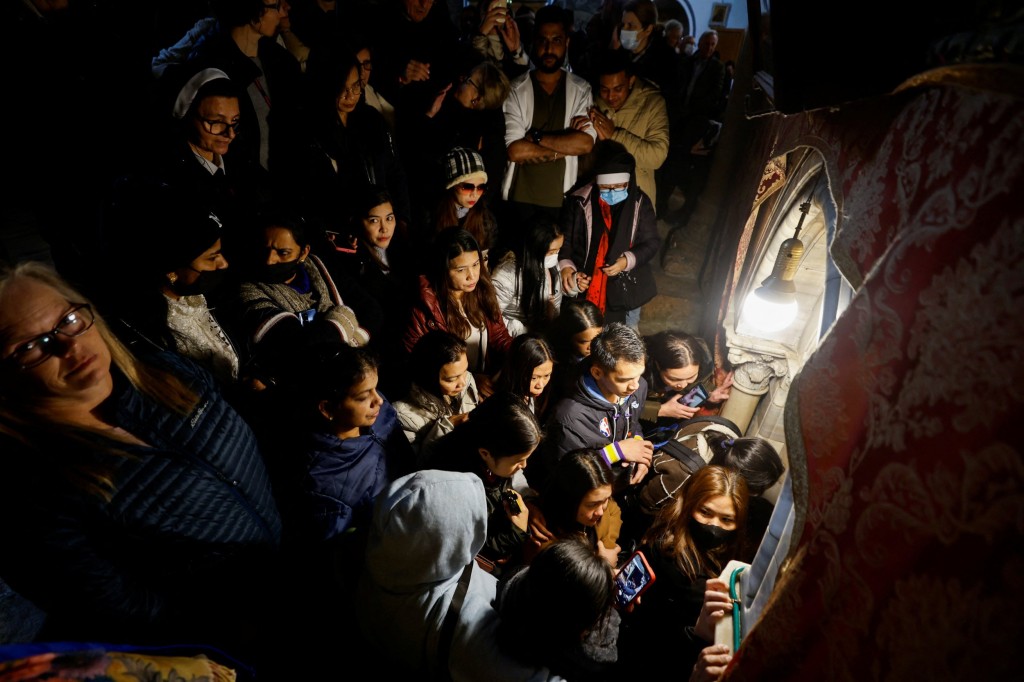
(695, 397)
(508, 10)
(510, 497)
(632, 579)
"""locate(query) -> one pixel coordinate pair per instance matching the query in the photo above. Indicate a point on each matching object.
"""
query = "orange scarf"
(599, 280)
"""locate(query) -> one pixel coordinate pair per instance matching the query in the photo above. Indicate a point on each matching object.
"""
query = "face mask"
(207, 281)
(708, 537)
(689, 49)
(279, 273)
(629, 40)
(550, 261)
(614, 196)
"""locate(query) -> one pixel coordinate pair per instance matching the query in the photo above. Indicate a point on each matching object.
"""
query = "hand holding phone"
(632, 580)
(695, 397)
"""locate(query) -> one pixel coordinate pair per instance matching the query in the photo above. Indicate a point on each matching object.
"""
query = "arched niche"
(764, 362)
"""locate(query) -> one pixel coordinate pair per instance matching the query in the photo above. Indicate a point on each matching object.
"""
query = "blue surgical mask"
(629, 40)
(614, 196)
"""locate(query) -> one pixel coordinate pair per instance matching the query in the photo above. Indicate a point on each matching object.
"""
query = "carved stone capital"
(753, 372)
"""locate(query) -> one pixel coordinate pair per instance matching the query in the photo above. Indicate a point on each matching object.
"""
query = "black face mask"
(279, 273)
(207, 281)
(708, 537)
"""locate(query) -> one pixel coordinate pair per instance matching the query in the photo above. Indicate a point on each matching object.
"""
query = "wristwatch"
(536, 135)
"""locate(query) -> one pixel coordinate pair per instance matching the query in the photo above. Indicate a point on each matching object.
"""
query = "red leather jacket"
(427, 315)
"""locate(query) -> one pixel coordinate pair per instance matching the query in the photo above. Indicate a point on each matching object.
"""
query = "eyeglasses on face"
(366, 64)
(355, 91)
(475, 102)
(468, 187)
(220, 128)
(36, 350)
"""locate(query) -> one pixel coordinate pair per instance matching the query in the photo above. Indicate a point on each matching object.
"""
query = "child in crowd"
(527, 372)
(578, 322)
(442, 394)
(353, 445)
(573, 503)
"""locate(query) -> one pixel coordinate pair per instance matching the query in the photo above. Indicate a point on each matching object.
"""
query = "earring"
(172, 277)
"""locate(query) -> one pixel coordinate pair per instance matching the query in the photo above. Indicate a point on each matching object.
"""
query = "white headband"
(612, 178)
(188, 93)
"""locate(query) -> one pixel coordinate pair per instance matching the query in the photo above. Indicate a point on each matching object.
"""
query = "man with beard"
(546, 122)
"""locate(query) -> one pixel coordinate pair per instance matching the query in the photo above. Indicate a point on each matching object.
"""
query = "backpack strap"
(689, 458)
(711, 419)
(451, 617)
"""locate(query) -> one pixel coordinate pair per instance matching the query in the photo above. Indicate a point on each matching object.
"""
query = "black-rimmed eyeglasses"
(220, 128)
(36, 350)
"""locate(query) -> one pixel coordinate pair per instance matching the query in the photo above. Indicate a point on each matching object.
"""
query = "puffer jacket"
(191, 517)
(424, 418)
(342, 478)
(427, 315)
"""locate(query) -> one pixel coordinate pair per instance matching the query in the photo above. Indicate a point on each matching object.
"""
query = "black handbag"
(631, 289)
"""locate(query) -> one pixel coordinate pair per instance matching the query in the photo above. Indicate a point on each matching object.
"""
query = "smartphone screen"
(695, 397)
(632, 579)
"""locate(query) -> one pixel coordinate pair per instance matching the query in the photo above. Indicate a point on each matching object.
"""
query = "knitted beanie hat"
(460, 164)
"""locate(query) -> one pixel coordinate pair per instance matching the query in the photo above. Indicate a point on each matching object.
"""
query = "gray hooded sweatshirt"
(427, 527)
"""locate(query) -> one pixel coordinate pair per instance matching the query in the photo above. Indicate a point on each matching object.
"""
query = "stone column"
(752, 377)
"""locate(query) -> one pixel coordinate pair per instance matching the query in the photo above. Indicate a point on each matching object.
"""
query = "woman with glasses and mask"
(677, 363)
(611, 236)
(351, 148)
(134, 500)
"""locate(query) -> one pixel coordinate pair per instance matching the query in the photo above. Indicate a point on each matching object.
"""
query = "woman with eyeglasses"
(677, 364)
(456, 295)
(611, 236)
(205, 124)
(134, 501)
(463, 204)
(464, 113)
(352, 148)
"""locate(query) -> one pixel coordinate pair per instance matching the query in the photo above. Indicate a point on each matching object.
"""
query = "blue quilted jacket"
(190, 522)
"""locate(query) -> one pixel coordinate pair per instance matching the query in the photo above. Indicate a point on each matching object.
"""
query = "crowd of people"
(352, 354)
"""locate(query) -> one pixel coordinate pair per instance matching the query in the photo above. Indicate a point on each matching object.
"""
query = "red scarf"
(599, 280)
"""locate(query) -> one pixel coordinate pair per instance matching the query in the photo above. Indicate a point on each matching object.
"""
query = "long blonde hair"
(22, 421)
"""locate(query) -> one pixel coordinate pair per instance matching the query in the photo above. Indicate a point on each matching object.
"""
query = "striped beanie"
(460, 164)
